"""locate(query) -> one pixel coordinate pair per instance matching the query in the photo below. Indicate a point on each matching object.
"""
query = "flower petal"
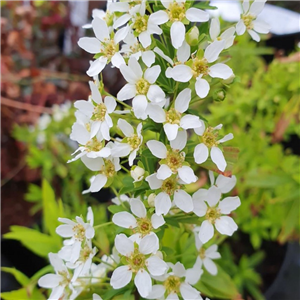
(100, 29)
(225, 184)
(143, 282)
(125, 127)
(202, 87)
(89, 44)
(183, 99)
(183, 52)
(177, 34)
(200, 153)
(220, 71)
(213, 196)
(254, 35)
(151, 74)
(261, 26)
(180, 141)
(138, 208)
(148, 58)
(200, 208)
(188, 292)
(229, 204)
(190, 121)
(164, 172)
(213, 51)
(197, 15)
(218, 158)
(156, 266)
(171, 131)
(128, 91)
(123, 244)
(145, 39)
(149, 244)
(124, 219)
(139, 105)
(226, 225)
(206, 231)
(50, 281)
(120, 277)
(162, 203)
(240, 27)
(187, 175)
(157, 221)
(210, 266)
(156, 113)
(154, 183)
(181, 73)
(97, 66)
(158, 149)
(183, 201)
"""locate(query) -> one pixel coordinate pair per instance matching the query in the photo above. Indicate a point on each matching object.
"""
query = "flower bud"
(192, 36)
(219, 95)
(151, 199)
(137, 173)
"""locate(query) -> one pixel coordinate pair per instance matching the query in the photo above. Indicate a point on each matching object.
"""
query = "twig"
(25, 106)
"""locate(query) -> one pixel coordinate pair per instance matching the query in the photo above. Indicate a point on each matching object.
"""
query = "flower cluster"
(168, 64)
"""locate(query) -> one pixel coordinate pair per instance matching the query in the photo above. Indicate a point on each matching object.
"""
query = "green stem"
(102, 225)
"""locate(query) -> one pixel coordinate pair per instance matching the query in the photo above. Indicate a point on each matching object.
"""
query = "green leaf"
(115, 208)
(220, 286)
(19, 276)
(23, 293)
(39, 243)
(52, 211)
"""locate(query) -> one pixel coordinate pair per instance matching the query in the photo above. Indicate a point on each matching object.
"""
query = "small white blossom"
(177, 283)
(140, 262)
(130, 145)
(215, 212)
(210, 142)
(137, 173)
(205, 256)
(141, 87)
(139, 222)
(249, 22)
(173, 119)
(172, 159)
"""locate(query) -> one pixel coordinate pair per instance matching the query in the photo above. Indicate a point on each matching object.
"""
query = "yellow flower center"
(202, 253)
(99, 112)
(134, 141)
(176, 11)
(169, 186)
(172, 284)
(85, 253)
(174, 159)
(109, 48)
(209, 138)
(144, 226)
(108, 169)
(79, 232)
(136, 261)
(93, 145)
(212, 214)
(142, 86)
(173, 116)
(200, 67)
(140, 24)
(247, 19)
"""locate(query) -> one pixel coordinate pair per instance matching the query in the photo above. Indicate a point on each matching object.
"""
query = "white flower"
(140, 261)
(200, 66)
(140, 87)
(88, 147)
(132, 48)
(205, 257)
(169, 187)
(248, 20)
(98, 112)
(172, 160)
(83, 265)
(209, 141)
(140, 223)
(176, 13)
(60, 283)
(214, 213)
(137, 173)
(103, 45)
(173, 119)
(223, 183)
(130, 144)
(228, 35)
(175, 285)
(78, 232)
(107, 169)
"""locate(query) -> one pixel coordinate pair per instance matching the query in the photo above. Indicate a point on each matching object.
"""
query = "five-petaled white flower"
(60, 283)
(172, 159)
(106, 47)
(173, 119)
(140, 260)
(177, 14)
(141, 87)
(205, 256)
(249, 22)
(214, 212)
(170, 187)
(139, 222)
(209, 141)
(177, 282)
(200, 66)
(130, 144)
